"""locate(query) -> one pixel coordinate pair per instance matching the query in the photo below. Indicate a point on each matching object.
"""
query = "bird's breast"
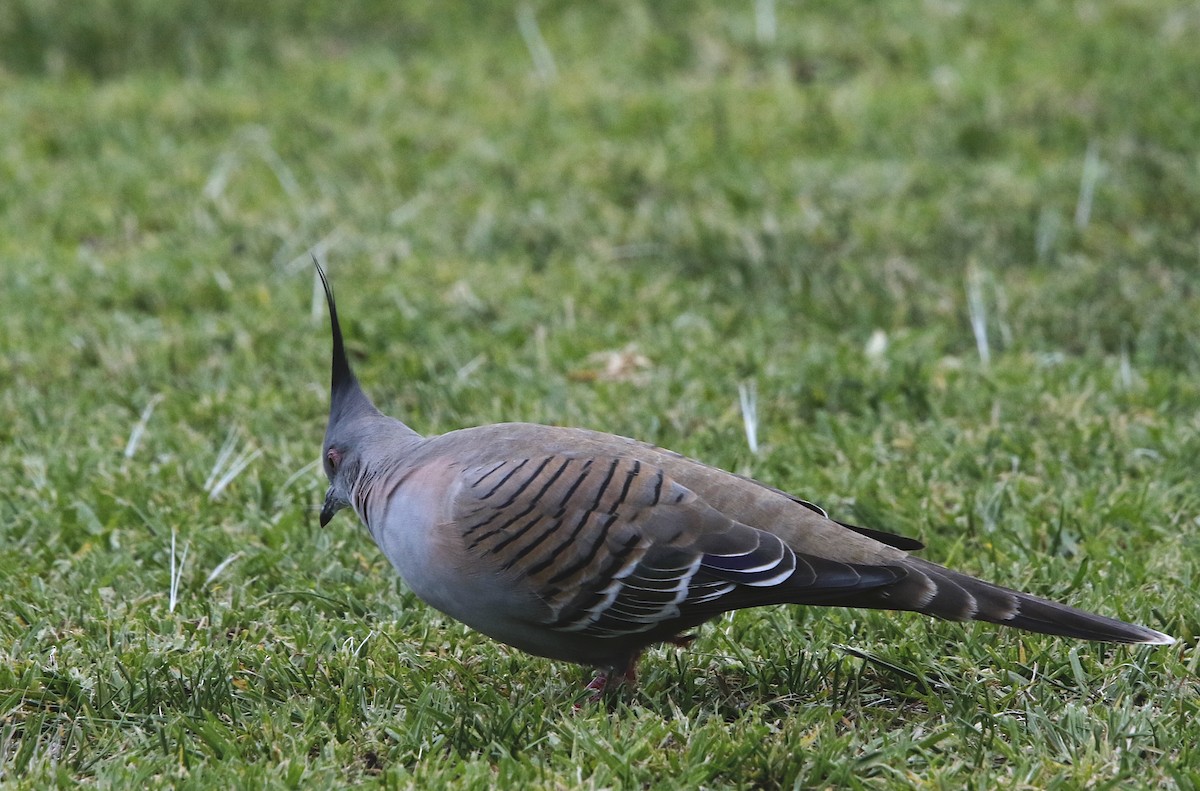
(411, 521)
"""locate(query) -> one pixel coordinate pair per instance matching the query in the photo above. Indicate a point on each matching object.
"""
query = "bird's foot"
(597, 686)
(596, 689)
(604, 680)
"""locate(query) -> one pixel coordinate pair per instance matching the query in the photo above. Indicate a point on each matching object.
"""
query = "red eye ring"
(334, 456)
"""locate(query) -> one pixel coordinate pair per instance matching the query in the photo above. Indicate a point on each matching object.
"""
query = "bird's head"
(350, 412)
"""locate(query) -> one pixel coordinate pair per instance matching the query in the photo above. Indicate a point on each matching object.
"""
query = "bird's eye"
(334, 457)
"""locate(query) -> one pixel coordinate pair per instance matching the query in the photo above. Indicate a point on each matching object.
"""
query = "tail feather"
(934, 590)
(1008, 607)
(1039, 615)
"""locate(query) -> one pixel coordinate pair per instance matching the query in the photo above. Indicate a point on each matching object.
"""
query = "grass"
(843, 209)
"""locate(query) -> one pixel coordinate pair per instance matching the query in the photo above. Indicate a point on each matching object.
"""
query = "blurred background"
(933, 264)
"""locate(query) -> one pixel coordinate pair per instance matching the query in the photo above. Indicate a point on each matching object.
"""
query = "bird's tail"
(934, 590)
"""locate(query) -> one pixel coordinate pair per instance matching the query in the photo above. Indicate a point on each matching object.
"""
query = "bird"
(588, 547)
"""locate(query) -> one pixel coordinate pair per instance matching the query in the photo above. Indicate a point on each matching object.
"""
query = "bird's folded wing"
(615, 546)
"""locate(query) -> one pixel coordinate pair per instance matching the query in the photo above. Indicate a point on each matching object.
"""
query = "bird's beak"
(329, 508)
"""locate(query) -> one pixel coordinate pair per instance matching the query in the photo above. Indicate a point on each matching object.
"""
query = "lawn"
(952, 250)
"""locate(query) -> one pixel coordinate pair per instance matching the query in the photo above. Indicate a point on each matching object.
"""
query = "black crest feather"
(346, 398)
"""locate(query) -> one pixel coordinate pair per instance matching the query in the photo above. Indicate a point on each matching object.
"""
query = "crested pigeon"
(589, 547)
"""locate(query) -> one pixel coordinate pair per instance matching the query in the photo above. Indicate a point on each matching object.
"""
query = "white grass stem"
(176, 573)
(408, 211)
(1092, 170)
(228, 465)
(356, 647)
(876, 347)
(539, 52)
(218, 178)
(222, 457)
(541, 352)
(1047, 233)
(221, 567)
(139, 428)
(474, 364)
(764, 21)
(1001, 298)
(977, 310)
(298, 474)
(304, 260)
(282, 172)
(748, 398)
(235, 469)
(255, 140)
(1125, 370)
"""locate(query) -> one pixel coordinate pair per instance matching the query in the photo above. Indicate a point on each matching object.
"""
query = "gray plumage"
(589, 547)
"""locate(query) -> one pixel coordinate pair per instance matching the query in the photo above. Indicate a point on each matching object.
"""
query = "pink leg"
(600, 684)
(597, 686)
(604, 680)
